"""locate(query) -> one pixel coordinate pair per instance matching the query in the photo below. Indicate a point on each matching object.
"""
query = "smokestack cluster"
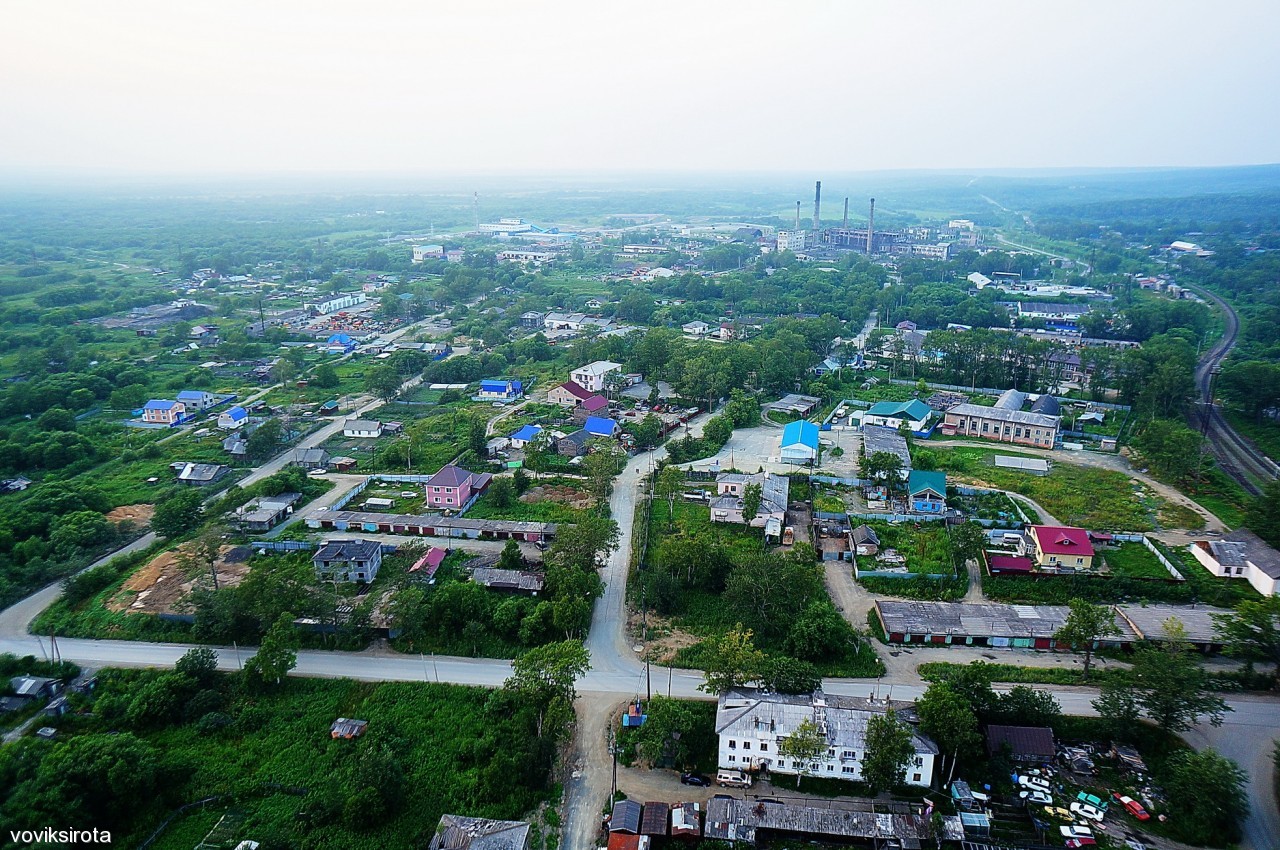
(817, 205)
(871, 227)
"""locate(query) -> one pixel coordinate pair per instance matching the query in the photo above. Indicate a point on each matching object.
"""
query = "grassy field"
(437, 750)
(1075, 495)
(1133, 560)
(924, 545)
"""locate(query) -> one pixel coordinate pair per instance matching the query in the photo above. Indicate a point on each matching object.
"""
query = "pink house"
(452, 487)
(164, 411)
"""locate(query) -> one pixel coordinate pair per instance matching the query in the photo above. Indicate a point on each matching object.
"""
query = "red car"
(1132, 806)
(1081, 842)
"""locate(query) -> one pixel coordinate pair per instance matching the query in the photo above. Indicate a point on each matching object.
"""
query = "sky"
(275, 86)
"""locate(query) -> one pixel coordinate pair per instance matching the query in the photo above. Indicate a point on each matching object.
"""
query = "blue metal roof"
(527, 433)
(802, 432)
(237, 412)
(160, 404)
(600, 426)
(195, 395)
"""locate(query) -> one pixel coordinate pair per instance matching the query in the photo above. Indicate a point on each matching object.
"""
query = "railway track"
(1236, 456)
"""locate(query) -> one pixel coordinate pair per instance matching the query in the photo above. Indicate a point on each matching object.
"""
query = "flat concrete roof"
(981, 620)
(1148, 621)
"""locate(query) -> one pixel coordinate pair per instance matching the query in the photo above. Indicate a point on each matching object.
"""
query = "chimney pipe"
(817, 205)
(845, 224)
(871, 227)
(797, 215)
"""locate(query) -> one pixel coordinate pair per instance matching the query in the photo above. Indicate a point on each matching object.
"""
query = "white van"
(733, 779)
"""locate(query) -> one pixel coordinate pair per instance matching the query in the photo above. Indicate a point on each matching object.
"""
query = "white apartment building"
(751, 724)
(792, 240)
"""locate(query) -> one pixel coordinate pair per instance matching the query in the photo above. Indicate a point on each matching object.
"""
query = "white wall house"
(592, 376)
(366, 429)
(340, 302)
(1241, 554)
(751, 725)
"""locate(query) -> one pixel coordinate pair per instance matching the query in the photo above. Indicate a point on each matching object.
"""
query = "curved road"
(617, 673)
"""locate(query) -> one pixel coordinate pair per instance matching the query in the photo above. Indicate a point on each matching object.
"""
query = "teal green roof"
(914, 410)
(919, 481)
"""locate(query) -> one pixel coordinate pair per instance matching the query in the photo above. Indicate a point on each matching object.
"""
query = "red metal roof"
(1009, 564)
(575, 390)
(1060, 540)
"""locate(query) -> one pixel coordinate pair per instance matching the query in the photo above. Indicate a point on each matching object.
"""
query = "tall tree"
(1252, 631)
(1209, 794)
(669, 484)
(752, 496)
(805, 744)
(1085, 624)
(177, 513)
(277, 654)
(383, 381)
(889, 752)
(547, 673)
(733, 661)
(949, 719)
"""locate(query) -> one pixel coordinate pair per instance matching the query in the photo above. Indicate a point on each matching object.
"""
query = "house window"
(1079, 560)
(915, 777)
(848, 769)
(746, 745)
(831, 768)
(733, 758)
(849, 754)
(919, 762)
(764, 747)
(814, 766)
(733, 745)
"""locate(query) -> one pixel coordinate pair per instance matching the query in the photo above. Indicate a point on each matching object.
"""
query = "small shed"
(686, 821)
(345, 727)
(626, 817)
(975, 824)
(656, 819)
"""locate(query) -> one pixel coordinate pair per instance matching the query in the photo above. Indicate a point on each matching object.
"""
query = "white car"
(1085, 810)
(1039, 797)
(1034, 782)
(1073, 831)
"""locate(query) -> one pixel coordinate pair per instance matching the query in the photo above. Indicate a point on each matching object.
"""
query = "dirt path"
(586, 789)
(849, 596)
(974, 593)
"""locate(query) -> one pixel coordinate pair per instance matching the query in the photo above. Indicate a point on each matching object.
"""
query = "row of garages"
(434, 526)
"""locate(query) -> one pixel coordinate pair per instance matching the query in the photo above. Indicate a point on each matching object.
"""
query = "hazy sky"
(229, 86)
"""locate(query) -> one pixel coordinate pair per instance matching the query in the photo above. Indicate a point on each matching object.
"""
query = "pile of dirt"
(139, 515)
(162, 585)
(571, 496)
(664, 639)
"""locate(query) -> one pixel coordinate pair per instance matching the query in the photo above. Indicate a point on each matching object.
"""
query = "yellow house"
(1056, 547)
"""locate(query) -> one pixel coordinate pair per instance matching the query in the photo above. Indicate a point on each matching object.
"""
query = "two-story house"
(164, 411)
(348, 560)
(1057, 548)
(453, 487)
(197, 400)
(593, 376)
(752, 725)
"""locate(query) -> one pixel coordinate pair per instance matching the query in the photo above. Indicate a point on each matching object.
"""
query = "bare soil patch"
(665, 640)
(139, 515)
(162, 585)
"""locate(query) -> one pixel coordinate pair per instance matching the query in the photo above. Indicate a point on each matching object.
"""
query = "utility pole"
(613, 751)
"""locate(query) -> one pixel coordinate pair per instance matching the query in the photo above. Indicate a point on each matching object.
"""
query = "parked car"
(733, 779)
(1034, 782)
(694, 779)
(1080, 842)
(1089, 799)
(1039, 797)
(1085, 810)
(1132, 806)
(1075, 831)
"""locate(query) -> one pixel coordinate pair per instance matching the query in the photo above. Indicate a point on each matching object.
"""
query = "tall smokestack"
(817, 205)
(871, 227)
(797, 215)
(845, 224)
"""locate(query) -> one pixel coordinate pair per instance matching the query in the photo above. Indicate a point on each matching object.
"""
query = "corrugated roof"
(800, 432)
(626, 817)
(1023, 741)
